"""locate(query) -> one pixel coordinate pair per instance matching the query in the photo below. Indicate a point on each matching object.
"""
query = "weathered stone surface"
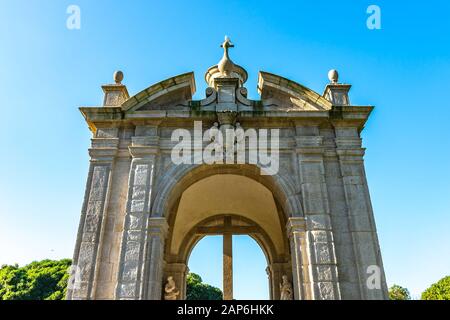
(132, 250)
(325, 290)
(138, 192)
(140, 176)
(135, 221)
(137, 205)
(319, 222)
(130, 271)
(91, 224)
(127, 290)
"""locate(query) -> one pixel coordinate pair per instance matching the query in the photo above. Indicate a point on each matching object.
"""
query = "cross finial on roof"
(226, 66)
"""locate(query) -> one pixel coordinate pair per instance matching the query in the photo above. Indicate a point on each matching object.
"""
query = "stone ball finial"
(118, 77)
(333, 76)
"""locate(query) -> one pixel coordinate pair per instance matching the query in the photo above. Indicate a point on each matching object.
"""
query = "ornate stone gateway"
(305, 201)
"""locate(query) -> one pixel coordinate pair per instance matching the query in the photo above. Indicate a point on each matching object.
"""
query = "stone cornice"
(340, 116)
(351, 116)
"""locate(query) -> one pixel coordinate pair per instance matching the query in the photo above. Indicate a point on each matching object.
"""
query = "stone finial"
(226, 70)
(333, 76)
(226, 66)
(336, 93)
(118, 77)
(115, 94)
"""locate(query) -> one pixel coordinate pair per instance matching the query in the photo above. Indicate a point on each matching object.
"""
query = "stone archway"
(226, 203)
(134, 191)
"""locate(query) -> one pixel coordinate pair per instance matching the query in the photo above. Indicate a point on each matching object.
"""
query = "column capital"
(103, 149)
(177, 267)
(102, 155)
(143, 151)
(276, 266)
(158, 226)
(295, 224)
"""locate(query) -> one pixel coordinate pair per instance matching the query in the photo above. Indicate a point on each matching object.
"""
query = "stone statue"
(170, 290)
(285, 289)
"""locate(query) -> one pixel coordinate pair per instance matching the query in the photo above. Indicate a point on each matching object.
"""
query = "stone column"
(154, 259)
(296, 231)
(361, 221)
(179, 272)
(140, 271)
(323, 275)
(83, 274)
(269, 276)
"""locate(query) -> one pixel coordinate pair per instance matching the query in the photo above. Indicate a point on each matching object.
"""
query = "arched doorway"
(225, 203)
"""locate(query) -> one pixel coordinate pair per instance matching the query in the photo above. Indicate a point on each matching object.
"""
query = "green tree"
(397, 292)
(438, 291)
(197, 290)
(39, 280)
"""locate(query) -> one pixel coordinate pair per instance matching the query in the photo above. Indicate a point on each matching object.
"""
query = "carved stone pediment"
(170, 94)
(278, 92)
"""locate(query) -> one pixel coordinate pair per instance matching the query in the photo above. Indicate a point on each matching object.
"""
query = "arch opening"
(250, 277)
(229, 205)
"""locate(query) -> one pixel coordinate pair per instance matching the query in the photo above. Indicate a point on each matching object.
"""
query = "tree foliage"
(197, 290)
(397, 292)
(438, 291)
(43, 280)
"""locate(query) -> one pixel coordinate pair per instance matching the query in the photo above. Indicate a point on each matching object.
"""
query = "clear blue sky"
(47, 71)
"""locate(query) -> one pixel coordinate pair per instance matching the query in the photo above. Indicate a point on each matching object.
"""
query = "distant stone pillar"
(83, 274)
(140, 267)
(227, 266)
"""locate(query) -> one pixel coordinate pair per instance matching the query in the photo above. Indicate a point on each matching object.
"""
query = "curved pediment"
(277, 91)
(171, 93)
